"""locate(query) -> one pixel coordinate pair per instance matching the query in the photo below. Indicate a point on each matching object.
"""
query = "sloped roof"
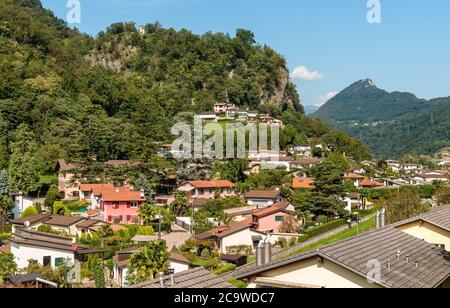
(263, 194)
(370, 183)
(223, 231)
(191, 279)
(96, 189)
(306, 183)
(31, 219)
(433, 266)
(122, 194)
(212, 184)
(63, 221)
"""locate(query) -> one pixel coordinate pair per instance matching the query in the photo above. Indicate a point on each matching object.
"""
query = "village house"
(208, 189)
(221, 108)
(272, 219)
(355, 178)
(429, 178)
(121, 205)
(301, 150)
(27, 281)
(366, 183)
(262, 198)
(304, 163)
(69, 225)
(46, 249)
(405, 250)
(68, 188)
(21, 203)
(357, 170)
(303, 183)
(410, 168)
(235, 234)
(122, 258)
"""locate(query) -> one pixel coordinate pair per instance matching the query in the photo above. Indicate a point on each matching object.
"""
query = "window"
(76, 194)
(115, 205)
(279, 218)
(59, 262)
(134, 205)
(47, 260)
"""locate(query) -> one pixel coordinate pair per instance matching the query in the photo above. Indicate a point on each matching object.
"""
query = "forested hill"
(392, 124)
(116, 96)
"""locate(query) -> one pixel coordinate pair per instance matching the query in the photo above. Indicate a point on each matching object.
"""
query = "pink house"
(121, 205)
(208, 189)
(271, 219)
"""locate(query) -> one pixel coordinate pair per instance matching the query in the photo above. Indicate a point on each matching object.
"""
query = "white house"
(178, 264)
(45, 249)
(262, 198)
(21, 203)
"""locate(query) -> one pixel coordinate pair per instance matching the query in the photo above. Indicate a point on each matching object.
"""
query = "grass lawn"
(363, 227)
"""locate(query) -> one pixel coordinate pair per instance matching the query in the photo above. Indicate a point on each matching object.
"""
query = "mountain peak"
(365, 83)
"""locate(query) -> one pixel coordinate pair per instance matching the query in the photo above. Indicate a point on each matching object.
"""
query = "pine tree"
(4, 184)
(23, 169)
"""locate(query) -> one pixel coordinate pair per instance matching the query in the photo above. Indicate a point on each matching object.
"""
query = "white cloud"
(303, 73)
(325, 98)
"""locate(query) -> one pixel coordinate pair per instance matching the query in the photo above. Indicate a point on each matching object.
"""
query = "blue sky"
(409, 50)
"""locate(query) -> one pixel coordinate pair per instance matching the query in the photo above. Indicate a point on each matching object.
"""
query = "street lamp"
(357, 222)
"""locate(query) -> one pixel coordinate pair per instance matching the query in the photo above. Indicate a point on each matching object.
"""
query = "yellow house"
(432, 227)
(404, 255)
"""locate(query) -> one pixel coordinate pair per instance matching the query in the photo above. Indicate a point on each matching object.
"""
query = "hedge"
(225, 268)
(316, 231)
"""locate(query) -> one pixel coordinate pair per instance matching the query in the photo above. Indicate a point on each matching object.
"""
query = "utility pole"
(159, 225)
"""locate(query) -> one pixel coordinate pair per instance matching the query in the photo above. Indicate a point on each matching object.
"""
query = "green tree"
(181, 204)
(59, 208)
(51, 197)
(7, 265)
(99, 276)
(23, 171)
(6, 204)
(443, 196)
(147, 213)
(148, 262)
(233, 170)
(4, 184)
(142, 184)
(403, 205)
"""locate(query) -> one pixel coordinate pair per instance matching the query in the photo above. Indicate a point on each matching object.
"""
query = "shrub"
(316, 231)
(60, 209)
(224, 268)
(52, 196)
(29, 212)
(45, 228)
(38, 207)
(145, 230)
(205, 253)
(237, 283)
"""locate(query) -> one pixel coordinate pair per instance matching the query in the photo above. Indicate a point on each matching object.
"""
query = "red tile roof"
(268, 211)
(96, 189)
(302, 183)
(369, 183)
(212, 184)
(352, 176)
(122, 194)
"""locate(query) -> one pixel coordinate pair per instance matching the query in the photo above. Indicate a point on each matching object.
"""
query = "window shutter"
(128, 205)
(109, 218)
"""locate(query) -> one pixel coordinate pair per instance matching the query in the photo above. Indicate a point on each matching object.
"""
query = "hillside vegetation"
(392, 124)
(116, 96)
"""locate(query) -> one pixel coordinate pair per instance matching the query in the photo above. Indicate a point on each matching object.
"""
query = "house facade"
(262, 198)
(121, 205)
(208, 189)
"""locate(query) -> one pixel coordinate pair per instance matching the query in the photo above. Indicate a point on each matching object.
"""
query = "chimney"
(377, 219)
(383, 218)
(407, 259)
(74, 244)
(267, 250)
(389, 264)
(399, 254)
(161, 279)
(259, 254)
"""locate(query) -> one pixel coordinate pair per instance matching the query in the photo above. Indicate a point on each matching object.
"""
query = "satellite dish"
(26, 223)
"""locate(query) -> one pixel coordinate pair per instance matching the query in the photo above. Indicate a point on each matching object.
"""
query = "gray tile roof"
(194, 278)
(433, 264)
(439, 217)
